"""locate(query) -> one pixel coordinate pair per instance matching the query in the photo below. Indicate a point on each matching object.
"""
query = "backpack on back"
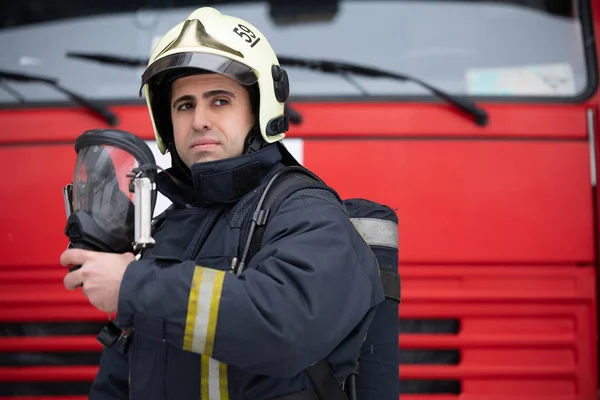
(376, 374)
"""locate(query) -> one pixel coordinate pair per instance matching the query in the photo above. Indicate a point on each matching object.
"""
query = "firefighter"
(192, 329)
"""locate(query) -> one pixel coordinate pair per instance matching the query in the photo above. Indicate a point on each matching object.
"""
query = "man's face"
(211, 116)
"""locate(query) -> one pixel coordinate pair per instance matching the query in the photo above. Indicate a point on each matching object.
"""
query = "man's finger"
(73, 279)
(75, 256)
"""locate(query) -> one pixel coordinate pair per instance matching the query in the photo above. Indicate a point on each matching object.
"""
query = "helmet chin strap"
(254, 141)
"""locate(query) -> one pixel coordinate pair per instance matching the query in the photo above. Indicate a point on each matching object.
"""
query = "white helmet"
(210, 41)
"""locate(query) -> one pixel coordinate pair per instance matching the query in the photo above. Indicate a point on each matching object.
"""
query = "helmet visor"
(209, 62)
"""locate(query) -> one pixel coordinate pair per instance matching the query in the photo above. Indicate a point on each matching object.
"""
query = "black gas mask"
(111, 200)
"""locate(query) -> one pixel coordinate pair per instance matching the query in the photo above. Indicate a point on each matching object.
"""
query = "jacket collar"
(221, 181)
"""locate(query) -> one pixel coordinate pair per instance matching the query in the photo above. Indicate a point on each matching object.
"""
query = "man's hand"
(100, 275)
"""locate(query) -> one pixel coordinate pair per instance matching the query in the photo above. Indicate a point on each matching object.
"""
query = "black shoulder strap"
(280, 186)
(324, 382)
(285, 182)
(391, 285)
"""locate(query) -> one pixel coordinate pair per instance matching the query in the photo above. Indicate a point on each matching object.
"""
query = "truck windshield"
(527, 49)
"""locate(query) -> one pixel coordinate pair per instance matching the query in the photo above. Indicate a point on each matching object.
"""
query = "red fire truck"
(497, 205)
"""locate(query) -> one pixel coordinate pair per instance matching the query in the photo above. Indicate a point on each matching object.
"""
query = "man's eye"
(185, 106)
(221, 102)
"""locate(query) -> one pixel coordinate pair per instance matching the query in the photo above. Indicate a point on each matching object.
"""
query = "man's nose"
(202, 119)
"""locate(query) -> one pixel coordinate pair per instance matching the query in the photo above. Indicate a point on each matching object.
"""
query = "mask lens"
(101, 187)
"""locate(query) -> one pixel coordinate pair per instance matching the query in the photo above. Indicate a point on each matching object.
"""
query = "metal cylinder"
(143, 213)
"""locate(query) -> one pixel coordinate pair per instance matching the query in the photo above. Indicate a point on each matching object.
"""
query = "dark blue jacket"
(202, 332)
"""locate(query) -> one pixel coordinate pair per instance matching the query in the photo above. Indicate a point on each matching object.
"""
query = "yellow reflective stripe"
(192, 310)
(223, 381)
(214, 312)
(214, 382)
(203, 312)
(200, 331)
(204, 381)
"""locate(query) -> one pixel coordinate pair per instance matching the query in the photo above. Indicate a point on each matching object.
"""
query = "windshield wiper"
(100, 111)
(109, 59)
(295, 116)
(479, 115)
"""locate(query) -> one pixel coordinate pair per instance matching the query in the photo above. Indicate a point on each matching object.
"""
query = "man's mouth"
(204, 144)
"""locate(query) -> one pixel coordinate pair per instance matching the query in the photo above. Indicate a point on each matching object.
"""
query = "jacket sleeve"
(112, 380)
(310, 285)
